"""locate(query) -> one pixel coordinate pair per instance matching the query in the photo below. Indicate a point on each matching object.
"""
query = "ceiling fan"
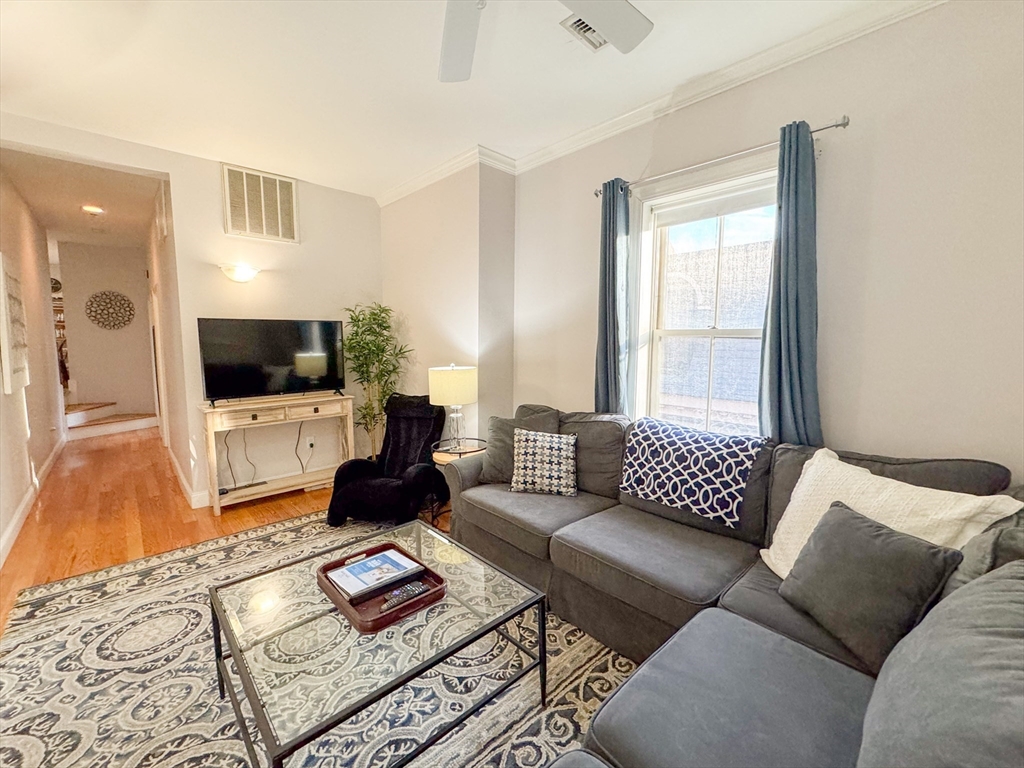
(616, 21)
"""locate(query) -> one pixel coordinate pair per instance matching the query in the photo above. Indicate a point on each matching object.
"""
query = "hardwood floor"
(116, 498)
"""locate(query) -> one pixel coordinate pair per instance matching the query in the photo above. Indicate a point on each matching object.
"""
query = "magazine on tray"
(368, 575)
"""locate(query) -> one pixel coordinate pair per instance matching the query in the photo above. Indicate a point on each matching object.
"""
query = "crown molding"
(865, 21)
(868, 19)
(463, 160)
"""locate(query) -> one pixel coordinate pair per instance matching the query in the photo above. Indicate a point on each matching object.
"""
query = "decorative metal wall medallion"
(110, 310)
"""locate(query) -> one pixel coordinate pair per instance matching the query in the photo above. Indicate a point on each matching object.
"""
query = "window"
(711, 254)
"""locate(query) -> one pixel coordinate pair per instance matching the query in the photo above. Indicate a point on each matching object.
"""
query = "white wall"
(31, 419)
(108, 366)
(335, 265)
(497, 289)
(165, 315)
(920, 241)
(449, 252)
(430, 247)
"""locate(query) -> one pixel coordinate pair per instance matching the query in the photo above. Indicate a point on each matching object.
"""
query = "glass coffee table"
(304, 669)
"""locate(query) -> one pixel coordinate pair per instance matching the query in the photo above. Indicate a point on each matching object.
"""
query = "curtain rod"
(843, 123)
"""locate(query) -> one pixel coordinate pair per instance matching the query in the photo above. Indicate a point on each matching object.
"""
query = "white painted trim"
(196, 499)
(461, 161)
(871, 17)
(44, 470)
(88, 430)
(496, 160)
(10, 535)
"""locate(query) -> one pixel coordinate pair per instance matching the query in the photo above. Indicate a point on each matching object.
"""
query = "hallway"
(115, 498)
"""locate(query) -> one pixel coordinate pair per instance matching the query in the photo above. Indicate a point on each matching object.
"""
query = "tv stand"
(254, 412)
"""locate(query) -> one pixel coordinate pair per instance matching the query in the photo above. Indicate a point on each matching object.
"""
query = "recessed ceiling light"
(94, 210)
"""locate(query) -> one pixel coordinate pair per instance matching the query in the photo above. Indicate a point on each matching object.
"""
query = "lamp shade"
(452, 385)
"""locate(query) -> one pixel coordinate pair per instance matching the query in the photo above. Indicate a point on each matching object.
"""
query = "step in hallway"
(115, 498)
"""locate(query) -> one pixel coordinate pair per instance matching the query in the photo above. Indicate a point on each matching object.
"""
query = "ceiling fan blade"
(617, 21)
(461, 23)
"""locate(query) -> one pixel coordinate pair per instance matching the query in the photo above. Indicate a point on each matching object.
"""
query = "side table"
(443, 452)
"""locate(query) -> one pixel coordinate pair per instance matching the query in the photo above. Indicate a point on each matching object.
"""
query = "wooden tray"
(365, 614)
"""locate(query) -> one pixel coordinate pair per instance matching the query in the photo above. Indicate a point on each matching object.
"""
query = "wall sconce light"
(240, 273)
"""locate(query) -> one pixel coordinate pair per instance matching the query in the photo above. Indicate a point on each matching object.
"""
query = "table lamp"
(455, 386)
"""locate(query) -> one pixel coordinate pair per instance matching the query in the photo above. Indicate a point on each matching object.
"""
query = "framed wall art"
(13, 331)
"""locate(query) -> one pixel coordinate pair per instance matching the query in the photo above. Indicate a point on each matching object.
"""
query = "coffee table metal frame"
(277, 752)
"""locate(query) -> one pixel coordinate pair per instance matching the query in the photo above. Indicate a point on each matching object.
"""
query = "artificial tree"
(375, 359)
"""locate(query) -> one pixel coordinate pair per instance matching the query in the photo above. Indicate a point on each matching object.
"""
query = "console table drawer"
(232, 419)
(312, 411)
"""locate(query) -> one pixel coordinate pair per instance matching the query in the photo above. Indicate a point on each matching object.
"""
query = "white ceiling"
(345, 94)
(56, 190)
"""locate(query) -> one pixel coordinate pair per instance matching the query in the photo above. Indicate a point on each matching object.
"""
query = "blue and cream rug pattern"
(115, 669)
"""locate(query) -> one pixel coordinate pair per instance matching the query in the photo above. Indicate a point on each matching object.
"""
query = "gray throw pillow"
(952, 692)
(866, 583)
(999, 544)
(498, 457)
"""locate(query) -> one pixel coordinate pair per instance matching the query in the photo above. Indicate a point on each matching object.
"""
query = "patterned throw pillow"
(544, 463)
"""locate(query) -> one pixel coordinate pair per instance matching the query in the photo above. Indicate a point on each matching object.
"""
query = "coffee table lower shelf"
(278, 753)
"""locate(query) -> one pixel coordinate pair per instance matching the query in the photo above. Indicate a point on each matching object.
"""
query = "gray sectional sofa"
(734, 675)
(631, 572)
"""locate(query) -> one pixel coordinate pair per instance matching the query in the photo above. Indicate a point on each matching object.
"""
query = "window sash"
(654, 396)
(674, 200)
(757, 197)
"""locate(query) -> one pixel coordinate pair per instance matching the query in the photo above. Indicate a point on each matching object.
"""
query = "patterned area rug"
(115, 668)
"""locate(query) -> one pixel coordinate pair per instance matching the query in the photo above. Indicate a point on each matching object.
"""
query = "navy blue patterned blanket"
(689, 469)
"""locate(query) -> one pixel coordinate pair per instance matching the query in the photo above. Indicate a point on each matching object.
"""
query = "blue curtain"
(788, 399)
(610, 383)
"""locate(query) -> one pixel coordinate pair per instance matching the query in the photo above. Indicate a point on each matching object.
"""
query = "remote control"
(403, 594)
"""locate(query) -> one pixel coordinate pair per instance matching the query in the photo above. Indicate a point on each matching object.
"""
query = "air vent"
(585, 33)
(259, 204)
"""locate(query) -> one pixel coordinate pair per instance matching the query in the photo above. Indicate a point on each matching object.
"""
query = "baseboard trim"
(196, 499)
(10, 535)
(87, 430)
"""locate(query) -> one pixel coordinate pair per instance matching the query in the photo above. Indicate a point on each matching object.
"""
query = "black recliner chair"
(398, 484)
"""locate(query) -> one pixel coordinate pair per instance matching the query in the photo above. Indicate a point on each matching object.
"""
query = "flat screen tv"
(253, 358)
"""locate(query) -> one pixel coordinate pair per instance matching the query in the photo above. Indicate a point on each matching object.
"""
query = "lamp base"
(457, 428)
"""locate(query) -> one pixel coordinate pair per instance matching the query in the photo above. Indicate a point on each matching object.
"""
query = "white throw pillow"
(941, 517)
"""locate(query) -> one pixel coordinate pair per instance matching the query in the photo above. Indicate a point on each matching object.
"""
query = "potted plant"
(376, 359)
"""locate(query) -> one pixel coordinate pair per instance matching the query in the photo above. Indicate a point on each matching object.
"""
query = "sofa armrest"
(463, 474)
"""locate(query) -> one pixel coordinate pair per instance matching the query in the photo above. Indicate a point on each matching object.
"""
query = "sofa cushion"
(498, 458)
(866, 583)
(724, 691)
(952, 692)
(600, 442)
(756, 597)
(526, 520)
(981, 478)
(578, 758)
(753, 510)
(668, 570)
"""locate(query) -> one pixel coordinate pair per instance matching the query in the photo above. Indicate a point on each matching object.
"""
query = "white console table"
(260, 412)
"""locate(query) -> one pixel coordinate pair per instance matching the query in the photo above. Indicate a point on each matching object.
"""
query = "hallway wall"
(114, 366)
(31, 419)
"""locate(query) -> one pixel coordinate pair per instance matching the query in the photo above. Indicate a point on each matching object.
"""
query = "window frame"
(747, 177)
